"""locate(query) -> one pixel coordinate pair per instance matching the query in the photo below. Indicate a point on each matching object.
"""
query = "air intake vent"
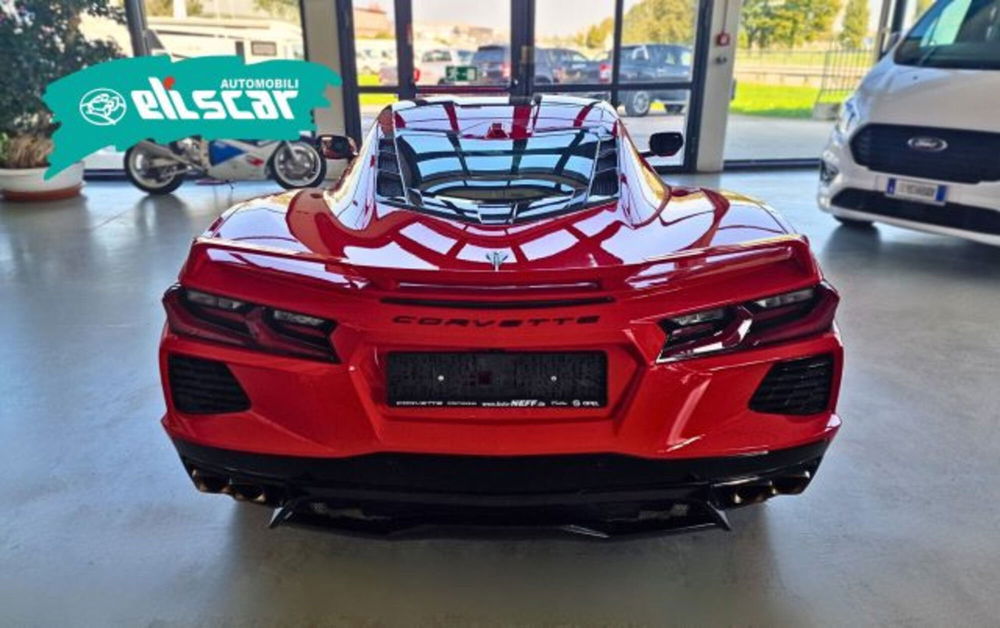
(605, 184)
(605, 181)
(388, 182)
(204, 386)
(796, 387)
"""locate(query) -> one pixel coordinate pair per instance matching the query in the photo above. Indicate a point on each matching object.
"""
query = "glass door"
(646, 57)
(462, 47)
(643, 56)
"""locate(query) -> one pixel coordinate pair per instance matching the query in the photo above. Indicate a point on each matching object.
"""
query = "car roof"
(475, 114)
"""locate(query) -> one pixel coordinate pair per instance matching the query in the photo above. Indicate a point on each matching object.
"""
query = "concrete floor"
(101, 526)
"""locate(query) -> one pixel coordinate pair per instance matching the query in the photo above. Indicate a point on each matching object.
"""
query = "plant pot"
(28, 184)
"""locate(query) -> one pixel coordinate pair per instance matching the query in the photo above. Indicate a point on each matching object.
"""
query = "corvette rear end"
(501, 316)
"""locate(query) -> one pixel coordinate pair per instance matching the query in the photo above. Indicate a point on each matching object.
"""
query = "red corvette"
(501, 315)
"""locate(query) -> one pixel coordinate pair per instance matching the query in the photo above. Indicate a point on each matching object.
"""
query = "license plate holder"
(920, 191)
(502, 379)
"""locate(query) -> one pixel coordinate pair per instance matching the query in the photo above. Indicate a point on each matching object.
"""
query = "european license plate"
(576, 379)
(917, 191)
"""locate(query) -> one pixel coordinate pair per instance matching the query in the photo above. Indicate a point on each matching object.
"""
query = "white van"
(918, 144)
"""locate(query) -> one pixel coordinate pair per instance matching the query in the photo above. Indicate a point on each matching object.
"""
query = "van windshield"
(962, 34)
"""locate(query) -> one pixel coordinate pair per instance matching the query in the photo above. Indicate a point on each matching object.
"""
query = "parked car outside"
(648, 63)
(493, 63)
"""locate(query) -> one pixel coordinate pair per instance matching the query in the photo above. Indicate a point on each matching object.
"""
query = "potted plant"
(42, 42)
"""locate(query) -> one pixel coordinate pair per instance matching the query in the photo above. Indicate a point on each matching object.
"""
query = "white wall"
(322, 35)
(718, 86)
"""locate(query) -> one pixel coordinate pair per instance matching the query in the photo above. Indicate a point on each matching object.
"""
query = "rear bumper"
(605, 494)
(689, 409)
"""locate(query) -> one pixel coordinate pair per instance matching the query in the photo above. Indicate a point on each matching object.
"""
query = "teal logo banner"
(124, 101)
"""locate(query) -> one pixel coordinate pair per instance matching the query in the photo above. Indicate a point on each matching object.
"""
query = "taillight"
(505, 70)
(762, 321)
(604, 73)
(222, 319)
(416, 75)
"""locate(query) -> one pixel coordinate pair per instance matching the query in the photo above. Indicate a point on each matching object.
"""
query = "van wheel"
(854, 223)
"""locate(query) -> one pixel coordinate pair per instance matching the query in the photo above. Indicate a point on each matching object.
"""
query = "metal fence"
(843, 70)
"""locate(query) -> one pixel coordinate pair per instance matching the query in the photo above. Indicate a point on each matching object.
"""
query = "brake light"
(762, 321)
(505, 70)
(604, 73)
(217, 318)
(416, 75)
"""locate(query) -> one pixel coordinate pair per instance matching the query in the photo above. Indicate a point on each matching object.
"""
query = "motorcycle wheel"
(138, 171)
(298, 165)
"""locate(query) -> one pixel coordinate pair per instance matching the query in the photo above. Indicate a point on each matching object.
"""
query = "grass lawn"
(755, 99)
(373, 99)
(774, 101)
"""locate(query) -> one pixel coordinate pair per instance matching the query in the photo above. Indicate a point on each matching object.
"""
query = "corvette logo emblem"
(496, 258)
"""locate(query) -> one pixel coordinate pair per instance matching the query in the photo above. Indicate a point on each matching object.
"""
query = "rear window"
(504, 180)
(961, 34)
(490, 54)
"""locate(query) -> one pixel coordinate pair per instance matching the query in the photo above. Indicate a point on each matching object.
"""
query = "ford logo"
(927, 144)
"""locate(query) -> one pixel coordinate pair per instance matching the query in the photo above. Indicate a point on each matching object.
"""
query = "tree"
(659, 22)
(42, 45)
(281, 9)
(790, 22)
(597, 35)
(801, 21)
(759, 23)
(855, 27)
(165, 8)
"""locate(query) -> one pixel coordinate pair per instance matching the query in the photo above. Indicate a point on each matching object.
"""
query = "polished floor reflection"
(102, 527)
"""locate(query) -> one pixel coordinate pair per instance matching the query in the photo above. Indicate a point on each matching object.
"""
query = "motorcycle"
(160, 169)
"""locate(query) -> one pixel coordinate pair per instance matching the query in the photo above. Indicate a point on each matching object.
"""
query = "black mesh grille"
(605, 184)
(605, 181)
(204, 386)
(969, 156)
(795, 387)
(388, 181)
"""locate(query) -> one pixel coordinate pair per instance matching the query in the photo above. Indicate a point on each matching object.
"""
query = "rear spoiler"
(788, 253)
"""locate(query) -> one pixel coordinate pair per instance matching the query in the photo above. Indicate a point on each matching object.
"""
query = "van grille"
(969, 156)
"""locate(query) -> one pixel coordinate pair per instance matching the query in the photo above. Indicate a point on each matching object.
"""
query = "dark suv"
(648, 63)
(493, 64)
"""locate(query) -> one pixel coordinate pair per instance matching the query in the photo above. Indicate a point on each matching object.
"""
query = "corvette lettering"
(494, 322)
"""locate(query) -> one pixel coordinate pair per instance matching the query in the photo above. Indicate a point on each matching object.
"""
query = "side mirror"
(337, 147)
(665, 144)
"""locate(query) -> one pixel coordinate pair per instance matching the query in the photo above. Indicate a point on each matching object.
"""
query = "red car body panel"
(657, 251)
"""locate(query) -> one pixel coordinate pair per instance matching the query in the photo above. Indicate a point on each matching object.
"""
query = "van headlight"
(848, 119)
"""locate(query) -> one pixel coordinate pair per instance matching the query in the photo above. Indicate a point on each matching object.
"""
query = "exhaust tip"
(207, 483)
(248, 493)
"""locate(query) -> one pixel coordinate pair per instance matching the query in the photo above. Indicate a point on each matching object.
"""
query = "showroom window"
(257, 30)
(641, 55)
